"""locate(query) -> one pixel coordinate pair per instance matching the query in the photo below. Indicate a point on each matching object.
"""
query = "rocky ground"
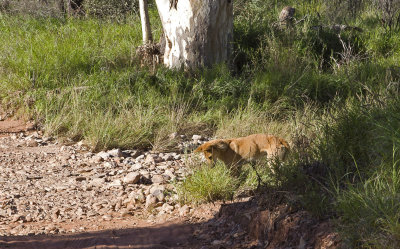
(42, 181)
(55, 195)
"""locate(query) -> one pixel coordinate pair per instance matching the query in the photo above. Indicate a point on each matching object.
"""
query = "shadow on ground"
(163, 236)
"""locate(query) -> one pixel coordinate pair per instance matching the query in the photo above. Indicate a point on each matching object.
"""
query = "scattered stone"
(115, 153)
(158, 179)
(166, 177)
(98, 159)
(104, 155)
(98, 182)
(107, 217)
(32, 143)
(132, 178)
(155, 188)
(109, 165)
(137, 166)
(159, 195)
(167, 208)
(184, 210)
(125, 212)
(139, 158)
(169, 172)
(151, 201)
(173, 135)
(149, 160)
(139, 196)
(116, 183)
(196, 137)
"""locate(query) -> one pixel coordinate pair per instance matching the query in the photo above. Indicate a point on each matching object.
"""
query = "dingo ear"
(234, 146)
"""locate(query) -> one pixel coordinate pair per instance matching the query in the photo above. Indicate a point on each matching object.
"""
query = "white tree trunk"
(144, 18)
(197, 32)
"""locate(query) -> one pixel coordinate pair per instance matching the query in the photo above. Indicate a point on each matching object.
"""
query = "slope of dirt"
(62, 196)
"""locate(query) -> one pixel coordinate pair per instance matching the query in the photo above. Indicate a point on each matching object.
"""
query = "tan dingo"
(237, 151)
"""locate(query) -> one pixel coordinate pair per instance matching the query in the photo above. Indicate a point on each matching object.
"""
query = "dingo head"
(213, 149)
(283, 149)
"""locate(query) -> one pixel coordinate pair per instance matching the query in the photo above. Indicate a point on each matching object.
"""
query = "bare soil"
(14, 126)
(242, 223)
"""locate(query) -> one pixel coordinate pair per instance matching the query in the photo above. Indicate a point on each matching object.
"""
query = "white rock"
(183, 211)
(159, 195)
(157, 179)
(196, 137)
(166, 177)
(32, 143)
(98, 182)
(149, 159)
(136, 166)
(132, 178)
(103, 155)
(167, 208)
(79, 144)
(217, 242)
(168, 157)
(138, 195)
(97, 159)
(173, 135)
(115, 153)
(155, 188)
(107, 217)
(151, 201)
(116, 183)
(162, 167)
(110, 164)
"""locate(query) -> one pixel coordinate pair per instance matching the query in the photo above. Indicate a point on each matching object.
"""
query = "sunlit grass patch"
(208, 184)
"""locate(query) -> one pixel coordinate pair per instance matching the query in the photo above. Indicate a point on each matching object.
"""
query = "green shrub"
(208, 184)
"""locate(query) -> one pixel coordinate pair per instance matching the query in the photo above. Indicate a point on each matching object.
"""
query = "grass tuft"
(208, 184)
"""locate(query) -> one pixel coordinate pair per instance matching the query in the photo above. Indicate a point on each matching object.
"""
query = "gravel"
(43, 181)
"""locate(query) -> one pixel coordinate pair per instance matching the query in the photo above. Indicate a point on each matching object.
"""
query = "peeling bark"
(197, 32)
